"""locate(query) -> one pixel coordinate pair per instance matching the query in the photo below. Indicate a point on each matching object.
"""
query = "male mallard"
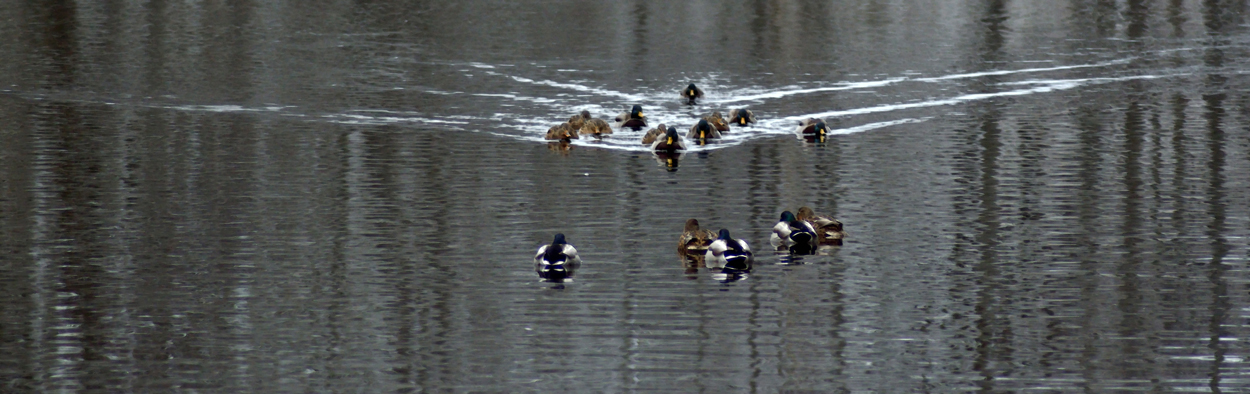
(792, 231)
(717, 121)
(562, 132)
(812, 128)
(670, 143)
(652, 134)
(690, 93)
(579, 119)
(694, 239)
(828, 229)
(596, 127)
(633, 119)
(726, 252)
(557, 261)
(703, 130)
(741, 117)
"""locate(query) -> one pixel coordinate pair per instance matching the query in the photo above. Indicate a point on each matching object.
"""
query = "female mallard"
(694, 239)
(812, 128)
(562, 132)
(670, 143)
(691, 93)
(557, 261)
(703, 130)
(792, 231)
(717, 121)
(633, 119)
(595, 127)
(828, 229)
(728, 253)
(652, 134)
(579, 119)
(741, 117)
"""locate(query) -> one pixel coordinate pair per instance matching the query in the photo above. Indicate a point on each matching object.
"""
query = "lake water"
(244, 196)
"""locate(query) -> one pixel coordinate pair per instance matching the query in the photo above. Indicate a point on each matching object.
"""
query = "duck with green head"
(691, 93)
(728, 253)
(813, 129)
(671, 142)
(792, 231)
(741, 117)
(703, 131)
(632, 119)
(558, 261)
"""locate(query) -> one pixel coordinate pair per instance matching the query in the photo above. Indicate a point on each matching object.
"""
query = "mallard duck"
(633, 119)
(562, 132)
(792, 231)
(828, 229)
(726, 252)
(690, 93)
(703, 130)
(652, 134)
(717, 121)
(812, 127)
(694, 239)
(741, 117)
(556, 261)
(596, 127)
(579, 119)
(670, 143)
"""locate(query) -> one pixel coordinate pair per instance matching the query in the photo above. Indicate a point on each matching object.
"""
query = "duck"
(728, 253)
(703, 130)
(562, 132)
(670, 143)
(694, 239)
(741, 117)
(652, 134)
(596, 127)
(557, 261)
(633, 119)
(792, 231)
(691, 93)
(579, 119)
(717, 121)
(828, 229)
(813, 128)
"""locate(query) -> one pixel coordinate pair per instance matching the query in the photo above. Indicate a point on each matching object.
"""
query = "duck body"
(791, 231)
(557, 261)
(828, 229)
(562, 132)
(670, 142)
(703, 130)
(653, 134)
(632, 119)
(691, 93)
(741, 117)
(694, 240)
(578, 120)
(595, 127)
(728, 253)
(717, 121)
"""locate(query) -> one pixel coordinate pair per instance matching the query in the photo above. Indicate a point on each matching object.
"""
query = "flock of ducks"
(666, 139)
(700, 247)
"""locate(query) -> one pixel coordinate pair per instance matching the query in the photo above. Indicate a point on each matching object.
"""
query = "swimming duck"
(741, 117)
(694, 240)
(690, 93)
(579, 119)
(670, 143)
(717, 121)
(562, 132)
(728, 253)
(828, 229)
(813, 128)
(633, 119)
(703, 130)
(595, 127)
(556, 261)
(792, 231)
(652, 134)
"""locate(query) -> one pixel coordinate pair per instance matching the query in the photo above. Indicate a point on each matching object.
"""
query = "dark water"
(239, 196)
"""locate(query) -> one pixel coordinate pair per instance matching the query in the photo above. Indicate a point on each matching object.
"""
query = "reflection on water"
(248, 197)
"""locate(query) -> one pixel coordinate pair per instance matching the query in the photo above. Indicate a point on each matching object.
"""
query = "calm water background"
(335, 196)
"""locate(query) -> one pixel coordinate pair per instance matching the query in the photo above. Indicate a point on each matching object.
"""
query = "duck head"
(691, 91)
(742, 117)
(555, 252)
(636, 112)
(691, 225)
(723, 234)
(670, 137)
(821, 131)
(703, 129)
(788, 217)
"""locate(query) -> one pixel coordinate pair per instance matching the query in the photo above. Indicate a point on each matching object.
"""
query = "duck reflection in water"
(558, 261)
(560, 147)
